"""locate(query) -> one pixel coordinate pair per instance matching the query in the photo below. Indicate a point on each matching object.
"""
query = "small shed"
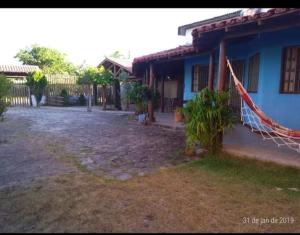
(19, 95)
(17, 73)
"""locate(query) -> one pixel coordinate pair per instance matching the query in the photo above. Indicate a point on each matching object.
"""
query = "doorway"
(238, 67)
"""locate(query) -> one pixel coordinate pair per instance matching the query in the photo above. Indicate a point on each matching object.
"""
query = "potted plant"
(37, 83)
(179, 117)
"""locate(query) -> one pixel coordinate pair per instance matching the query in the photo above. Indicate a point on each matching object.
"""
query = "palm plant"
(207, 115)
(140, 95)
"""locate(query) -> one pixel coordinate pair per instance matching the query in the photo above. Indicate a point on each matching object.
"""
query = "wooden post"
(162, 97)
(211, 74)
(222, 66)
(150, 103)
(222, 77)
(89, 103)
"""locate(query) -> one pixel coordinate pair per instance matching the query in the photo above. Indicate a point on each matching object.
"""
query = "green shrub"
(207, 115)
(81, 99)
(5, 85)
(140, 95)
(64, 94)
(37, 82)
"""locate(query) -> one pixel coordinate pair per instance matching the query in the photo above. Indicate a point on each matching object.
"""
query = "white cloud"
(89, 34)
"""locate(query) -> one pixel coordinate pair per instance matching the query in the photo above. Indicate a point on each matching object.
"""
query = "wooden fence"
(20, 94)
(56, 83)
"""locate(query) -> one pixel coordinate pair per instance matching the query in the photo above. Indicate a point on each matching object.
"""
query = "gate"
(19, 95)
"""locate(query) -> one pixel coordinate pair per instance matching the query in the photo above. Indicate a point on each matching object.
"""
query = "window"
(290, 74)
(253, 73)
(199, 77)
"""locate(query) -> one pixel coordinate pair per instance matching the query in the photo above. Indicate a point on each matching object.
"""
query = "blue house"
(263, 47)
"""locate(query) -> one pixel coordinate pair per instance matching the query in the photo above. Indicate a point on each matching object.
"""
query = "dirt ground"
(67, 170)
(36, 143)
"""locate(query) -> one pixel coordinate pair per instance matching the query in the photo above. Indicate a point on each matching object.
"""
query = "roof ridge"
(179, 50)
(182, 29)
(241, 19)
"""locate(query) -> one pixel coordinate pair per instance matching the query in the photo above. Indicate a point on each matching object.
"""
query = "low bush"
(82, 99)
(5, 85)
(64, 94)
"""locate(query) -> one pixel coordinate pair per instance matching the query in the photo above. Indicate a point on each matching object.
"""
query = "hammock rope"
(253, 116)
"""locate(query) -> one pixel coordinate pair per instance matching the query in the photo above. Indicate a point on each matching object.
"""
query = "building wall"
(282, 108)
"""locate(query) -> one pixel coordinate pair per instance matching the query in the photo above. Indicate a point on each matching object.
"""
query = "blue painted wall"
(283, 108)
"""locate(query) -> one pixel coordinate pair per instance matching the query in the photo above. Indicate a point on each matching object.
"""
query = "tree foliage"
(50, 60)
(99, 76)
(94, 75)
(207, 115)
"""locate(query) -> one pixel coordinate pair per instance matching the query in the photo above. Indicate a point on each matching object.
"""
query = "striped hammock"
(259, 121)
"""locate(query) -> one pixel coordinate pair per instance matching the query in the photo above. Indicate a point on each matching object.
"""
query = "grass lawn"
(214, 194)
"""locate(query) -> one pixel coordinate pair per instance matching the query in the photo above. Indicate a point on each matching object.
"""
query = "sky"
(87, 35)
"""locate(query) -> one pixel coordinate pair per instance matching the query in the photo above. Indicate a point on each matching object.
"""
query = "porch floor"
(241, 141)
(167, 120)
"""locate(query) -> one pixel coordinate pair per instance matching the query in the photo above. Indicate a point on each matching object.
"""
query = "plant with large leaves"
(207, 116)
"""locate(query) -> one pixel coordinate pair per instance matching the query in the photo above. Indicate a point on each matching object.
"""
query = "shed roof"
(123, 63)
(18, 69)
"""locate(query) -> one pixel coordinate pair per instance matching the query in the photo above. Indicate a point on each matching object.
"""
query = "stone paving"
(37, 142)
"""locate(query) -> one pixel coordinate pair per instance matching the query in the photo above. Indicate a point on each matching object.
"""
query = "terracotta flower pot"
(179, 116)
(189, 152)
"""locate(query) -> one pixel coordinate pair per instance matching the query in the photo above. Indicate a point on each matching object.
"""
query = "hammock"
(258, 120)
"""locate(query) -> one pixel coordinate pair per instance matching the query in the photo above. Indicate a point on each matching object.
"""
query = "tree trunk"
(117, 95)
(89, 103)
(104, 97)
(89, 107)
(95, 93)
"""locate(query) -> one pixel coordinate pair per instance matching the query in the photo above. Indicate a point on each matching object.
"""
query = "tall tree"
(104, 78)
(99, 76)
(48, 59)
